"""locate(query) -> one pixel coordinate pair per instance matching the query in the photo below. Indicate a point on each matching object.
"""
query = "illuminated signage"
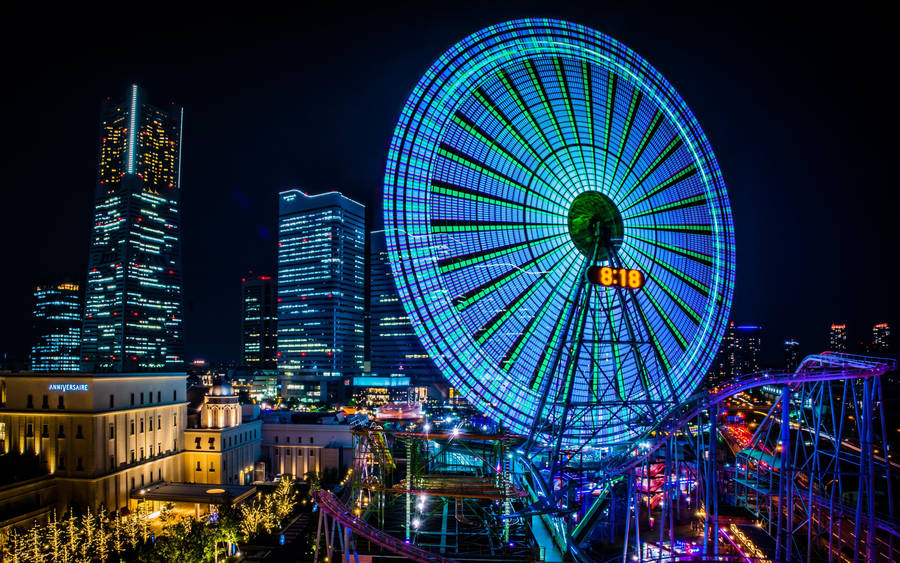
(64, 387)
(619, 277)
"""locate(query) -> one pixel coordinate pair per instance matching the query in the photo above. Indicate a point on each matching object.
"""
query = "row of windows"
(287, 439)
(61, 404)
(229, 441)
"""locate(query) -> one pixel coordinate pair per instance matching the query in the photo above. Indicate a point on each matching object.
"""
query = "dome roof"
(221, 388)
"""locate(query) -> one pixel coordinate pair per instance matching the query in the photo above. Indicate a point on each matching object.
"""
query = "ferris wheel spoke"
(685, 173)
(493, 108)
(636, 96)
(697, 257)
(451, 190)
(672, 295)
(550, 348)
(649, 132)
(685, 203)
(693, 283)
(662, 157)
(489, 328)
(699, 229)
(453, 263)
(538, 86)
(443, 226)
(476, 293)
(474, 130)
(516, 96)
(568, 99)
(460, 157)
(587, 85)
(510, 357)
(611, 93)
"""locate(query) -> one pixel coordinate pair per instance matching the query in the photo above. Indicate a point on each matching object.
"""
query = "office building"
(837, 338)
(881, 339)
(56, 319)
(791, 354)
(738, 355)
(258, 322)
(133, 318)
(321, 295)
(394, 349)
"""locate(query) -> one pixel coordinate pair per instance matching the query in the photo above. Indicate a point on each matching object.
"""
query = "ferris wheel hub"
(595, 222)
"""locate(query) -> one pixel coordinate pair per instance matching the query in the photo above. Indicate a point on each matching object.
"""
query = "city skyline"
(785, 291)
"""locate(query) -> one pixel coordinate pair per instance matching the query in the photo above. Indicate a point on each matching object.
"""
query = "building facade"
(394, 349)
(881, 339)
(133, 318)
(837, 338)
(738, 355)
(259, 320)
(101, 436)
(297, 449)
(56, 319)
(321, 295)
(223, 448)
(791, 354)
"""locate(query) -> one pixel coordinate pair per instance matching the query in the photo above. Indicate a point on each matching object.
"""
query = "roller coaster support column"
(867, 466)
(785, 483)
(711, 527)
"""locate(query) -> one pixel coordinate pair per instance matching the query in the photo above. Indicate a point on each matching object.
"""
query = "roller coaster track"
(827, 366)
(329, 503)
(820, 367)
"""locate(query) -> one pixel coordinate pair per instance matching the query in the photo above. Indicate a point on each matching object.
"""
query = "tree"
(284, 499)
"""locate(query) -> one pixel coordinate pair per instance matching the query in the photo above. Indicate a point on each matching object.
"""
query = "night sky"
(796, 107)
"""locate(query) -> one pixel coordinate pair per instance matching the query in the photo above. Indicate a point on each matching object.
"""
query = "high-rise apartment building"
(738, 355)
(791, 354)
(258, 322)
(133, 317)
(837, 338)
(881, 338)
(321, 294)
(394, 348)
(56, 321)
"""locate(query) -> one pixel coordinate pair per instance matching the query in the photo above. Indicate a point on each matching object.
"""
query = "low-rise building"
(100, 436)
(296, 443)
(222, 447)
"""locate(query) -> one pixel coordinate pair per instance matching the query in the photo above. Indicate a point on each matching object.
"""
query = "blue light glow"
(495, 142)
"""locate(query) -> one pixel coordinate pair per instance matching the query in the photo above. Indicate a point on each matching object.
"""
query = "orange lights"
(617, 277)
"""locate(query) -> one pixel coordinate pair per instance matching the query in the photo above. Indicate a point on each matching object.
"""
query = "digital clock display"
(615, 277)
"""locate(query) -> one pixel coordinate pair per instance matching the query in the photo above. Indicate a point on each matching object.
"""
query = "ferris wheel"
(559, 232)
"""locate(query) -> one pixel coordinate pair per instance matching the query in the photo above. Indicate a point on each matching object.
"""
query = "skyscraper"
(738, 355)
(133, 301)
(258, 322)
(321, 294)
(791, 354)
(837, 338)
(394, 348)
(57, 327)
(881, 338)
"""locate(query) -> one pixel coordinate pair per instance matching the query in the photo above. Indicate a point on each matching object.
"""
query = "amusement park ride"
(561, 238)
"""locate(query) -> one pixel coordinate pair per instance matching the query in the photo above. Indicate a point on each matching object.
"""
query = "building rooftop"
(196, 493)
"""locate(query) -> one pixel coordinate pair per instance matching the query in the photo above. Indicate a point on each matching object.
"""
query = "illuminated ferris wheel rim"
(439, 98)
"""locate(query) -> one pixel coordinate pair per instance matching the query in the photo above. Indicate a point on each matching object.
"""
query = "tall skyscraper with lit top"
(133, 319)
(837, 338)
(738, 355)
(881, 338)
(321, 294)
(56, 321)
